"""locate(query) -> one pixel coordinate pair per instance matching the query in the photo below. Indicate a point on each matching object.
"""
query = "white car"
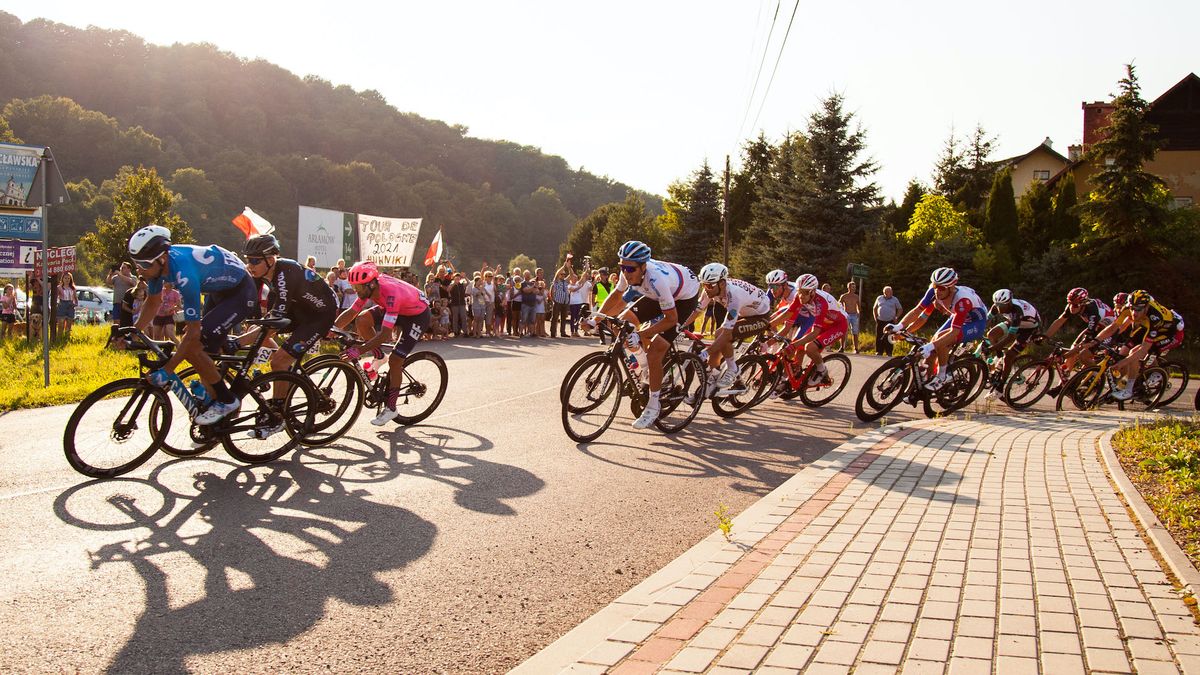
(94, 300)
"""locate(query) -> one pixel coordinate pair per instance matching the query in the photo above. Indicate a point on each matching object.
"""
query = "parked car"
(94, 301)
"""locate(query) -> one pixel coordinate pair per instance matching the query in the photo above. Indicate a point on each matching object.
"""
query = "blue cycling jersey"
(197, 269)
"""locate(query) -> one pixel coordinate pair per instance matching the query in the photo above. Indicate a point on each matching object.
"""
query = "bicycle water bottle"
(199, 392)
(369, 369)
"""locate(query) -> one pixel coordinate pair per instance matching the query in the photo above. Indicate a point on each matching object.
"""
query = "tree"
(1035, 219)
(522, 261)
(746, 187)
(1127, 206)
(143, 200)
(628, 220)
(964, 173)
(1065, 220)
(1000, 223)
(6, 134)
(695, 239)
(772, 241)
(935, 219)
(583, 234)
(899, 218)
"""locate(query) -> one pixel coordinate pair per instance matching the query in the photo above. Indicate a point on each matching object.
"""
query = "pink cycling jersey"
(397, 298)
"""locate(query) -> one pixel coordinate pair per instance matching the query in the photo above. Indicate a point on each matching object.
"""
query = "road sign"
(20, 224)
(857, 270)
(16, 256)
(62, 259)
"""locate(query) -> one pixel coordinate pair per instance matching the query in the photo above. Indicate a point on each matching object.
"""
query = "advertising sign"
(18, 166)
(62, 259)
(16, 256)
(321, 234)
(388, 242)
(21, 225)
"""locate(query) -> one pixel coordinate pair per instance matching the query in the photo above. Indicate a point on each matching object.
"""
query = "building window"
(1041, 175)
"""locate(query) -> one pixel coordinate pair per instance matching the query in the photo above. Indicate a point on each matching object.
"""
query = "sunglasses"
(252, 260)
(145, 264)
(629, 269)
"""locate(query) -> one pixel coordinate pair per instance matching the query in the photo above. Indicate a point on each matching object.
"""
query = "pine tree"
(1065, 220)
(898, 219)
(698, 236)
(1035, 220)
(1000, 224)
(746, 187)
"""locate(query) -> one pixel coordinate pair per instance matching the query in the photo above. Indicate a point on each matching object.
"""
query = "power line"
(766, 48)
(767, 91)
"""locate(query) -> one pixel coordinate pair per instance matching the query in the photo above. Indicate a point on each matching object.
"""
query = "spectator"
(539, 310)
(444, 277)
(827, 288)
(529, 302)
(342, 288)
(432, 288)
(500, 312)
(488, 290)
(163, 327)
(887, 310)
(8, 312)
(458, 304)
(560, 294)
(478, 301)
(121, 279)
(515, 327)
(581, 290)
(64, 312)
(36, 298)
(439, 318)
(311, 263)
(850, 302)
(139, 297)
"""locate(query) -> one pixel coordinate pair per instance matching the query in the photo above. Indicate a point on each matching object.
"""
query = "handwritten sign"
(388, 242)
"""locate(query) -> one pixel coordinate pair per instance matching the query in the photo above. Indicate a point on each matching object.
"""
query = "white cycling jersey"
(664, 283)
(741, 298)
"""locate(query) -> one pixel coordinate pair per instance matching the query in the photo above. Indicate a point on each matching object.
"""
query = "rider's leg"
(654, 353)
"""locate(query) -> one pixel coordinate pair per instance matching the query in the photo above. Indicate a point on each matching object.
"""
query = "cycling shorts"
(306, 334)
(646, 309)
(225, 309)
(749, 326)
(828, 334)
(409, 329)
(1166, 342)
(971, 330)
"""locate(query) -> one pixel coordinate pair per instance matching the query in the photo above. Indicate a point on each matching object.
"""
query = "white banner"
(388, 242)
(322, 235)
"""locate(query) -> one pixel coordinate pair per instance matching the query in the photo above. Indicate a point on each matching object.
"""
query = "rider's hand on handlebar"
(893, 328)
(351, 353)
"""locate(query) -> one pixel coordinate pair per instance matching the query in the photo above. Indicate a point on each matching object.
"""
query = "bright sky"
(644, 92)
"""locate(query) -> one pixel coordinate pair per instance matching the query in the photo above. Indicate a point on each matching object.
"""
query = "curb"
(1181, 566)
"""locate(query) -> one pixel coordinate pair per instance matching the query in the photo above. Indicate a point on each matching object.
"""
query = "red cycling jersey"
(397, 298)
(822, 308)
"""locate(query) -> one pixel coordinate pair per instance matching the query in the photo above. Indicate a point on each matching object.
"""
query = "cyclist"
(782, 291)
(819, 319)
(295, 292)
(746, 309)
(1018, 322)
(667, 289)
(1093, 313)
(967, 322)
(1156, 329)
(230, 299)
(398, 305)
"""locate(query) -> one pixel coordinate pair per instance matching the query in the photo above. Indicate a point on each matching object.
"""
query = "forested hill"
(262, 137)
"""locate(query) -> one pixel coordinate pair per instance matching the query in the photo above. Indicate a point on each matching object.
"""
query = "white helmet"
(149, 242)
(944, 276)
(776, 277)
(713, 272)
(807, 282)
(1002, 296)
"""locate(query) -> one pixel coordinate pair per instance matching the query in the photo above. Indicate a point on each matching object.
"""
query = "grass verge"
(77, 367)
(1163, 460)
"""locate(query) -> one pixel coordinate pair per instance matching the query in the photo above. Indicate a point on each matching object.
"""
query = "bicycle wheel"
(883, 390)
(1177, 381)
(684, 380)
(180, 439)
(599, 379)
(956, 393)
(1028, 384)
(593, 396)
(423, 388)
(266, 428)
(838, 368)
(1083, 390)
(753, 376)
(340, 391)
(977, 369)
(1151, 389)
(113, 430)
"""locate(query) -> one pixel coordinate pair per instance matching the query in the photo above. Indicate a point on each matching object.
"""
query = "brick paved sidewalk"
(991, 545)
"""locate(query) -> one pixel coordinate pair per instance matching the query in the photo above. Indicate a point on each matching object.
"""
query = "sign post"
(48, 188)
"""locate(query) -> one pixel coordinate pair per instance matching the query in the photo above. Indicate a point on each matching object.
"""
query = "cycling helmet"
(944, 276)
(635, 251)
(713, 272)
(1002, 296)
(1139, 299)
(1120, 299)
(149, 242)
(263, 244)
(362, 273)
(1077, 296)
(807, 282)
(776, 277)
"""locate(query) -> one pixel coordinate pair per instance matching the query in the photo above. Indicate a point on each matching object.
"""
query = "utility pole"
(725, 212)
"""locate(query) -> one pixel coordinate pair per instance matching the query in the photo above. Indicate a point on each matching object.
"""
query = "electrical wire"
(757, 77)
(767, 91)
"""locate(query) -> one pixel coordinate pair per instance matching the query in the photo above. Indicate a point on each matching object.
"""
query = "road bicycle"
(747, 389)
(423, 383)
(1093, 386)
(119, 426)
(903, 379)
(1176, 372)
(789, 381)
(593, 388)
(1032, 380)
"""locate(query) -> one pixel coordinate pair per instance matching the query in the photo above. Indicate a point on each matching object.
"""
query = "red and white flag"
(435, 250)
(251, 224)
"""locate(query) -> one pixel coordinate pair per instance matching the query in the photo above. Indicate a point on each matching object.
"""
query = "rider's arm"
(1056, 325)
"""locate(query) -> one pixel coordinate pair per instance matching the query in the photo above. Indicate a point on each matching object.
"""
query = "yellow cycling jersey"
(1157, 319)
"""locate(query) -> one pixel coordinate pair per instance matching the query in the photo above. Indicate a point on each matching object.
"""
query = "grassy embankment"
(77, 367)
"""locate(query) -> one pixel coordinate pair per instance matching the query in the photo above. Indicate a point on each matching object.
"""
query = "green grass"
(77, 367)
(1163, 460)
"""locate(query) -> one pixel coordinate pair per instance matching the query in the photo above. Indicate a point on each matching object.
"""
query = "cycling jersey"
(821, 309)
(1158, 320)
(1096, 314)
(397, 298)
(665, 283)
(964, 307)
(295, 291)
(1019, 312)
(199, 269)
(740, 299)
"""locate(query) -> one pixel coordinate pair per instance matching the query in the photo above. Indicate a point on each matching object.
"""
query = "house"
(1177, 115)
(1037, 165)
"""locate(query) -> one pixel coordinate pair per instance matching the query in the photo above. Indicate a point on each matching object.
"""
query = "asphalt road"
(464, 544)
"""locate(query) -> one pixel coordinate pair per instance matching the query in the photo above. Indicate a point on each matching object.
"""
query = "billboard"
(325, 235)
(62, 259)
(20, 224)
(16, 256)
(388, 242)
(18, 166)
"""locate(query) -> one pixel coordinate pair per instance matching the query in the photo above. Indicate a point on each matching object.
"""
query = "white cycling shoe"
(386, 415)
(649, 415)
(217, 412)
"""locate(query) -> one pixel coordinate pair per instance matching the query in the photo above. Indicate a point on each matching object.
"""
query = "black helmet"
(262, 245)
